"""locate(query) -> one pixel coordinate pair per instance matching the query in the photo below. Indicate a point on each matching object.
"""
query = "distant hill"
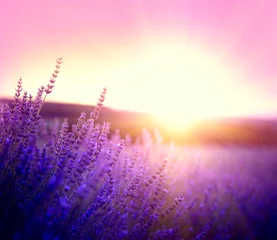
(239, 131)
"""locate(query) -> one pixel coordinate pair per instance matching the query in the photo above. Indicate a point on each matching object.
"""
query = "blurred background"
(199, 71)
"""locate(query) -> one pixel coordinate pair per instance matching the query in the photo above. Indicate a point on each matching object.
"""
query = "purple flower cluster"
(73, 182)
(81, 182)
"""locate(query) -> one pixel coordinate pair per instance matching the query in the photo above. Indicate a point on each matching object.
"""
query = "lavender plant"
(62, 183)
(81, 182)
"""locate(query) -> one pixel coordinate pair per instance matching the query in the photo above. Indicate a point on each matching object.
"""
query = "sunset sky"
(196, 58)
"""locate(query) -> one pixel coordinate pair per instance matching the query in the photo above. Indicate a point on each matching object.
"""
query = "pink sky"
(100, 38)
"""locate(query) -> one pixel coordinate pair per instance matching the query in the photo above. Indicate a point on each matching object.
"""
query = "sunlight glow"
(180, 85)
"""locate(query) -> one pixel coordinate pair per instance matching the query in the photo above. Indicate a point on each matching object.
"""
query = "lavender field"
(80, 182)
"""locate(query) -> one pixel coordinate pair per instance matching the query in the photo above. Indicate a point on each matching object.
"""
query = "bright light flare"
(175, 123)
(184, 85)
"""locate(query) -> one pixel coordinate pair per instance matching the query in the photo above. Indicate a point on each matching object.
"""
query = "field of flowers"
(80, 182)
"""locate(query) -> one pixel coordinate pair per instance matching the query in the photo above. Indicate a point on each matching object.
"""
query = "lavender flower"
(64, 181)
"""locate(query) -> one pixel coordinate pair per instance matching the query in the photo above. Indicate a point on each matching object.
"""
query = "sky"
(177, 59)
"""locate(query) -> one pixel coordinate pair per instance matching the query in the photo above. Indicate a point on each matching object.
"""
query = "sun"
(174, 123)
(185, 84)
(179, 83)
